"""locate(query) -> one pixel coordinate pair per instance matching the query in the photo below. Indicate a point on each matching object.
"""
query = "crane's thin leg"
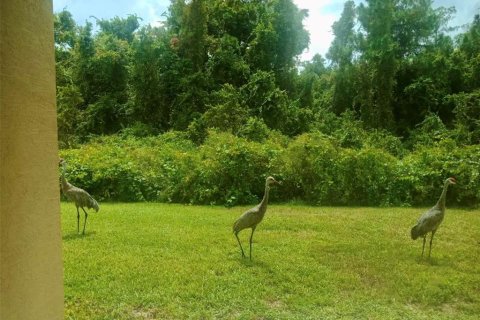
(78, 221)
(251, 237)
(431, 240)
(423, 248)
(236, 235)
(85, 222)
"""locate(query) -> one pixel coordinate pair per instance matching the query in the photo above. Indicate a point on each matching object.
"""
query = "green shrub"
(348, 132)
(229, 170)
(427, 168)
(129, 169)
(430, 131)
(254, 129)
(311, 170)
(367, 177)
(320, 172)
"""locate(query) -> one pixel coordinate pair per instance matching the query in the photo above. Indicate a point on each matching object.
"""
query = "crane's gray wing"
(82, 198)
(247, 220)
(430, 220)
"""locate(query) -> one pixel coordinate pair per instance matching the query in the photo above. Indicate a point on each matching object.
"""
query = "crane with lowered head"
(80, 197)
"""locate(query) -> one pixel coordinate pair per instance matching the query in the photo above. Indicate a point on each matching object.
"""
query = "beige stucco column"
(31, 276)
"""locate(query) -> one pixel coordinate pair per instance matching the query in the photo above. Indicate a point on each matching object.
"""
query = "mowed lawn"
(161, 261)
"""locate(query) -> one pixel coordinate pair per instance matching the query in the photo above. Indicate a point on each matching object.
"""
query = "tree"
(307, 80)
(378, 64)
(193, 34)
(292, 39)
(340, 54)
(153, 78)
(123, 29)
(470, 47)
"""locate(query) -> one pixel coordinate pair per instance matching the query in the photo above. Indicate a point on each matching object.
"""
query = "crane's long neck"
(441, 201)
(63, 180)
(263, 204)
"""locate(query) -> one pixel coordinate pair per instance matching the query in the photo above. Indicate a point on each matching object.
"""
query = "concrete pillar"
(31, 273)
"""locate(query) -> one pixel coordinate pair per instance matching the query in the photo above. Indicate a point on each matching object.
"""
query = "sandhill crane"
(252, 217)
(80, 197)
(431, 220)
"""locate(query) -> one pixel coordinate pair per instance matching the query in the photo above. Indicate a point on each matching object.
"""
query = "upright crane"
(252, 217)
(431, 220)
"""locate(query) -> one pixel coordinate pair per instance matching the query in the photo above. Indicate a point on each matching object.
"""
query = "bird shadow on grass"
(76, 236)
(436, 262)
(255, 263)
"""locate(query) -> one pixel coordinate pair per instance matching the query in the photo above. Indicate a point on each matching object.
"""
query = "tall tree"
(425, 72)
(69, 98)
(193, 34)
(277, 40)
(378, 63)
(121, 28)
(340, 54)
(292, 39)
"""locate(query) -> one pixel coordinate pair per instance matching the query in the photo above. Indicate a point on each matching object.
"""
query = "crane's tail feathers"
(415, 232)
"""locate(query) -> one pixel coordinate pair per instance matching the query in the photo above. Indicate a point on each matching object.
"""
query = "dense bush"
(320, 172)
(315, 168)
(131, 169)
(231, 170)
(422, 174)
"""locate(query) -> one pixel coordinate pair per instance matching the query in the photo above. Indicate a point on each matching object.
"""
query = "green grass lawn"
(159, 261)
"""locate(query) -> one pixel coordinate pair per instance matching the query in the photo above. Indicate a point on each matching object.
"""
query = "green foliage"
(227, 64)
(193, 34)
(392, 113)
(470, 41)
(265, 100)
(64, 30)
(420, 172)
(231, 170)
(123, 29)
(131, 169)
(316, 168)
(349, 132)
(432, 130)
(254, 129)
(320, 172)
(343, 46)
(341, 54)
(152, 83)
(467, 111)
(226, 114)
(379, 63)
(391, 63)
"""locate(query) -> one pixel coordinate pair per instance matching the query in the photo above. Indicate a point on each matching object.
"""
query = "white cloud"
(152, 11)
(321, 16)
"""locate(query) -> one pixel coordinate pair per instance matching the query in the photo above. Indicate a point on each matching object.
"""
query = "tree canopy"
(234, 66)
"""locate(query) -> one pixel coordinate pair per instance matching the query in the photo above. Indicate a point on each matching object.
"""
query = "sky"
(322, 14)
